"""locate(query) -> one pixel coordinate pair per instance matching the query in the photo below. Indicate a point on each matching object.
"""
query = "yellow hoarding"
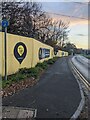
(23, 52)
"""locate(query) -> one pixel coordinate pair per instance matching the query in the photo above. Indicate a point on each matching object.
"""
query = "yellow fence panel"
(24, 52)
(36, 48)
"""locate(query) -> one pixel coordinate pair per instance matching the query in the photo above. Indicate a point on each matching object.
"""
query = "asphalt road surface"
(83, 65)
(56, 95)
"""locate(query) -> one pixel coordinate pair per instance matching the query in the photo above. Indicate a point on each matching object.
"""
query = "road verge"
(25, 78)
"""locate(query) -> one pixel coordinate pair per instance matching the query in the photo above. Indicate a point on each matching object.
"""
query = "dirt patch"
(13, 88)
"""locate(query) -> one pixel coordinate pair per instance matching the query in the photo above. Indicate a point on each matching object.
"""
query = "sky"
(78, 26)
(77, 8)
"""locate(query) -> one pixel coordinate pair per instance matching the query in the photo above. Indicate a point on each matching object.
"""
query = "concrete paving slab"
(25, 114)
(9, 112)
(18, 112)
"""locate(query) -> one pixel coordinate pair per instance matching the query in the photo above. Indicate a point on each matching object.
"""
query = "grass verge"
(87, 56)
(26, 73)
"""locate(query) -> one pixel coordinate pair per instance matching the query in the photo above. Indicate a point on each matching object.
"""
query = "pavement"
(18, 112)
(56, 95)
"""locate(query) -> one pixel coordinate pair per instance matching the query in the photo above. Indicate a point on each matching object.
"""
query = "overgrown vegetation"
(43, 65)
(25, 73)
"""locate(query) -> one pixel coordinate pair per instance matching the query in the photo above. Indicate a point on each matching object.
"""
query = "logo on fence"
(44, 53)
(20, 51)
(40, 53)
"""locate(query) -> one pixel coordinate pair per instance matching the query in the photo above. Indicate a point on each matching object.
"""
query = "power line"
(83, 3)
(66, 15)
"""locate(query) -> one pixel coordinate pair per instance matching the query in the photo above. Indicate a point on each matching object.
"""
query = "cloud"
(81, 35)
(67, 11)
(78, 21)
(73, 21)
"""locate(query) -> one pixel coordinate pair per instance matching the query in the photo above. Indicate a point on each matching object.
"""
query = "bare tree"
(28, 19)
(58, 31)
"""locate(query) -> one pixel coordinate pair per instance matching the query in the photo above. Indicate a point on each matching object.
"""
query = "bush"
(23, 70)
(42, 65)
(50, 61)
(27, 72)
(13, 78)
(6, 83)
(55, 58)
(33, 72)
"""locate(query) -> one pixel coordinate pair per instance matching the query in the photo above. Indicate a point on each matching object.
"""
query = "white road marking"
(82, 78)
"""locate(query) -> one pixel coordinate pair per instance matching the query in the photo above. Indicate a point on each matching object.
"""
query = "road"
(83, 65)
(56, 95)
